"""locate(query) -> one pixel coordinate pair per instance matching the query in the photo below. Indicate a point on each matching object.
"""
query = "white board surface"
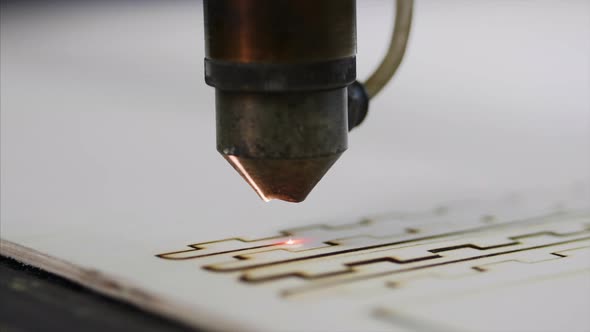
(108, 159)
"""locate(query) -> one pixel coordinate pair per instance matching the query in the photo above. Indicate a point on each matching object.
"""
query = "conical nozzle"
(287, 180)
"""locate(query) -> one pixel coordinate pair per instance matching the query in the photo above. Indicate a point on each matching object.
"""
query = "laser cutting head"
(281, 70)
(286, 95)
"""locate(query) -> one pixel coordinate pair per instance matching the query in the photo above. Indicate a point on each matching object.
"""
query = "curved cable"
(397, 48)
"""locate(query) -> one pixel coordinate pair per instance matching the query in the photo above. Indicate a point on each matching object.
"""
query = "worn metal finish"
(281, 70)
(291, 125)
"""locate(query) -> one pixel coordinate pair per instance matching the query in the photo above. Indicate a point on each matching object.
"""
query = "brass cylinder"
(279, 31)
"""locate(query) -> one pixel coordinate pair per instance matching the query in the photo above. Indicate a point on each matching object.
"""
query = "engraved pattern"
(385, 253)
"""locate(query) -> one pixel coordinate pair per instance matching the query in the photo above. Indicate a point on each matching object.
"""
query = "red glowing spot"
(293, 242)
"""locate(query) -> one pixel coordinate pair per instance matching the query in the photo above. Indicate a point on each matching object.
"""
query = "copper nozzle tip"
(289, 180)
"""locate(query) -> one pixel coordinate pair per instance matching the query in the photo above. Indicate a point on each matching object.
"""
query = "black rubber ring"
(272, 77)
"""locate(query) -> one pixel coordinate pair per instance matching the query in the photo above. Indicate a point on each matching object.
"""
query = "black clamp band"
(272, 77)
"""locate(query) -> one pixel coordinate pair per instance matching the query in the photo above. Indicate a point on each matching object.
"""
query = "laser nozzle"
(282, 144)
